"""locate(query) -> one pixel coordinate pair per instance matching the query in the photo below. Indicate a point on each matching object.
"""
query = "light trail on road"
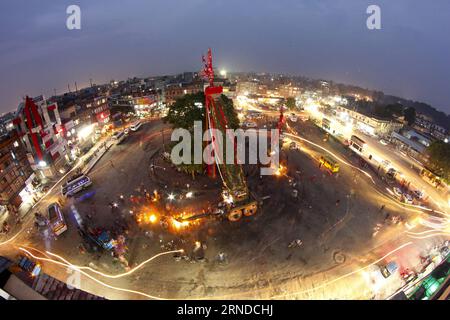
(80, 161)
(404, 206)
(131, 271)
(345, 275)
(437, 234)
(68, 265)
(424, 232)
(91, 277)
(11, 239)
(331, 153)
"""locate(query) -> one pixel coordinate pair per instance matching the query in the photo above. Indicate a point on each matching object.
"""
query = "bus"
(329, 163)
(430, 177)
(119, 136)
(75, 185)
(135, 126)
(326, 124)
(357, 144)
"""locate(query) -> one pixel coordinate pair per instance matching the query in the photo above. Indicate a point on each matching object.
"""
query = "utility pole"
(162, 134)
(90, 81)
(76, 87)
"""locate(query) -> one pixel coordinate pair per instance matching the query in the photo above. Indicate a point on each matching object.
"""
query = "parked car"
(293, 145)
(250, 124)
(389, 269)
(383, 142)
(398, 192)
(56, 219)
(391, 173)
(407, 198)
(418, 194)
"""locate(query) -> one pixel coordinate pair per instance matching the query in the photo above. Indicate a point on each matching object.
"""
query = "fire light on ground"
(147, 217)
(281, 171)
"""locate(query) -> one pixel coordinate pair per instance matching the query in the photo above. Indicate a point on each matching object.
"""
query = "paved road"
(410, 169)
(335, 260)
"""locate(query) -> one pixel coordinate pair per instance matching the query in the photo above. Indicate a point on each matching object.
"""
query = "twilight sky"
(328, 39)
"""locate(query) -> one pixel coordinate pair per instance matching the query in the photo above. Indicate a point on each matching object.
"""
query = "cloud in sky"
(321, 39)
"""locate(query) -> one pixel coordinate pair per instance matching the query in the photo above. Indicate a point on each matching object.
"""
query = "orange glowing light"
(280, 171)
(152, 218)
(179, 224)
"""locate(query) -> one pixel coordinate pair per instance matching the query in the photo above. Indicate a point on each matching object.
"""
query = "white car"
(389, 269)
(418, 194)
(383, 142)
(293, 145)
(403, 153)
(398, 192)
(250, 124)
(408, 198)
(293, 117)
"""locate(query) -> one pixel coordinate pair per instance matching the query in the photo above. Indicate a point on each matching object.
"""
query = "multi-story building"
(426, 125)
(413, 142)
(174, 91)
(247, 87)
(369, 124)
(289, 91)
(78, 129)
(16, 175)
(99, 110)
(6, 123)
(38, 125)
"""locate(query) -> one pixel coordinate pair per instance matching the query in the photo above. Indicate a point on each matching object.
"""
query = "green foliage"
(184, 112)
(388, 111)
(439, 161)
(410, 115)
(290, 103)
(230, 113)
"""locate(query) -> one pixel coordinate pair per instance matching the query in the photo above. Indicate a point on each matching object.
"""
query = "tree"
(190, 108)
(395, 109)
(410, 115)
(388, 111)
(186, 110)
(439, 153)
(290, 103)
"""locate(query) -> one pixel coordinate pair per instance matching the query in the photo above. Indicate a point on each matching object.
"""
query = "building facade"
(6, 123)
(38, 125)
(370, 124)
(175, 91)
(426, 125)
(16, 175)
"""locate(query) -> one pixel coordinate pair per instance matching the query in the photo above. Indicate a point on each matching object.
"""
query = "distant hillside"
(439, 117)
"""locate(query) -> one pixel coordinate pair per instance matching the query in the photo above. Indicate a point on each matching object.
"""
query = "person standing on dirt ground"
(111, 162)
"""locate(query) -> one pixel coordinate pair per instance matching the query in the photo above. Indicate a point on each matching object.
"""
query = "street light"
(42, 164)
